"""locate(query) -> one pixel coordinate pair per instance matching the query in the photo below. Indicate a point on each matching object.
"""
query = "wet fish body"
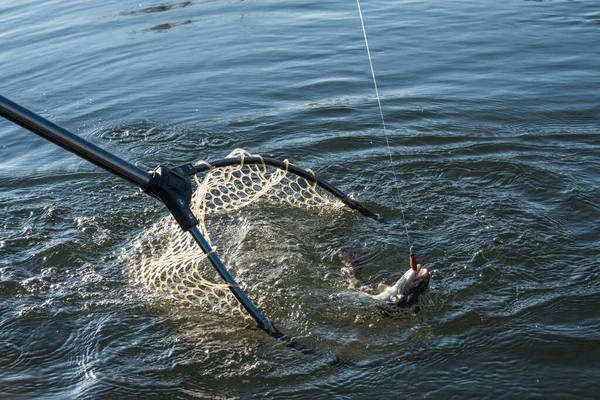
(405, 292)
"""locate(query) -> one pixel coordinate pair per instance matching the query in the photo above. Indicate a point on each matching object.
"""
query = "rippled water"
(493, 112)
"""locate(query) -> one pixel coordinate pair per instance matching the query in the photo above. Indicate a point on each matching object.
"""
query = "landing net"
(167, 263)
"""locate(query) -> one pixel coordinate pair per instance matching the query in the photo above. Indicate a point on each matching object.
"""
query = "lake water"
(493, 116)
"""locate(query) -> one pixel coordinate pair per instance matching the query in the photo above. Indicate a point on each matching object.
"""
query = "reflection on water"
(162, 8)
(159, 8)
(165, 27)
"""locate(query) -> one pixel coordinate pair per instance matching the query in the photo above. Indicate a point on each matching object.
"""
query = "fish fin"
(382, 287)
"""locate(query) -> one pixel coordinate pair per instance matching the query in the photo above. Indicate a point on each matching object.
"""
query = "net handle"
(163, 183)
(286, 166)
(261, 320)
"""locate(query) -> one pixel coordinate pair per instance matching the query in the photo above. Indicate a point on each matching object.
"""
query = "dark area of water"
(493, 112)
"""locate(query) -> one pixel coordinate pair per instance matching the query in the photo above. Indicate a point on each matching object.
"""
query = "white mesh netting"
(168, 263)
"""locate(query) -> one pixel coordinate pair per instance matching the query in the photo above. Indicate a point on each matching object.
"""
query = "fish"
(405, 292)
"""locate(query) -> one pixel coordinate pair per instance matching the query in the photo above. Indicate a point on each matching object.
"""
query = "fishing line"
(387, 139)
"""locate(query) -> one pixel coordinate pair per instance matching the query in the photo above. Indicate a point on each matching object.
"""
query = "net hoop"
(168, 263)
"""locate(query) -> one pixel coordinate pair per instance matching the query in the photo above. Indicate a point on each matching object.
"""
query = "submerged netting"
(167, 261)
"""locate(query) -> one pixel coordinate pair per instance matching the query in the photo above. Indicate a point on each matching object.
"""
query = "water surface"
(493, 112)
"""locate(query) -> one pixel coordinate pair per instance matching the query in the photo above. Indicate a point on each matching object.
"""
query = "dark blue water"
(493, 115)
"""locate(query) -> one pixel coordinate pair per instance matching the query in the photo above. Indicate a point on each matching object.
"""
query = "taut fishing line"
(387, 139)
(166, 261)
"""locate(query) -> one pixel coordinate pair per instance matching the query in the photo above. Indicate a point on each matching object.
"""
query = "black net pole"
(75, 144)
(163, 183)
(261, 320)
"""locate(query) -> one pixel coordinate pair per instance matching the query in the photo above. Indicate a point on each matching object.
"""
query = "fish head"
(414, 282)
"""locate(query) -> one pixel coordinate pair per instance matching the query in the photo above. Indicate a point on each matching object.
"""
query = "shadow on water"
(165, 27)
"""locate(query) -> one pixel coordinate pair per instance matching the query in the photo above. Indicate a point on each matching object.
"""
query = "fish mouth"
(415, 285)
